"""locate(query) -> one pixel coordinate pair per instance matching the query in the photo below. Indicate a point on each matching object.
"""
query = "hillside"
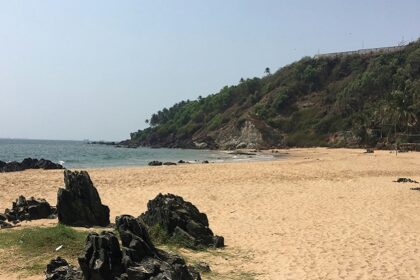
(352, 100)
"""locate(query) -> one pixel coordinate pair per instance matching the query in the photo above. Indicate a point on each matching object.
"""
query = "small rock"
(406, 180)
(169, 163)
(155, 163)
(59, 269)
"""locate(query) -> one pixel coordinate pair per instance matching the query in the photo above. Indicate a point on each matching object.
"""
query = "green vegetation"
(160, 236)
(35, 247)
(375, 98)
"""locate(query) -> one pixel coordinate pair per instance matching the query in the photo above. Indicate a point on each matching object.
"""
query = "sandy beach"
(319, 214)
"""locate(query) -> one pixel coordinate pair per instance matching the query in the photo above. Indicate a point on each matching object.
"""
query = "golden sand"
(320, 214)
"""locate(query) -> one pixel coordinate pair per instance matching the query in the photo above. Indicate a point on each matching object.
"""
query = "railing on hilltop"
(362, 52)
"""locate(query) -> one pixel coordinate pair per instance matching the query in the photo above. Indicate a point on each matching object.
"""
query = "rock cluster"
(29, 209)
(59, 269)
(180, 219)
(78, 203)
(28, 163)
(137, 259)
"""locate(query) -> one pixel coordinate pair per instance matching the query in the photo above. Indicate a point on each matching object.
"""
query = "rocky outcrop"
(181, 220)
(155, 163)
(138, 258)
(59, 269)
(251, 134)
(102, 257)
(29, 209)
(28, 163)
(78, 203)
(142, 260)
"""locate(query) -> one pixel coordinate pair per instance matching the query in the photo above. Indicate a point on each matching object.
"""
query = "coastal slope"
(340, 100)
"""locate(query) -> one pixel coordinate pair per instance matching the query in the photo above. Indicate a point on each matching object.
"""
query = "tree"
(267, 71)
(241, 80)
(146, 121)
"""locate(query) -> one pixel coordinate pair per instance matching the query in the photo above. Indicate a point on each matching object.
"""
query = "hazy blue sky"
(97, 69)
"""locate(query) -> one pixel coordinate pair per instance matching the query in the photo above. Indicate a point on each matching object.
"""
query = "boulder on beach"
(101, 258)
(142, 260)
(180, 219)
(29, 209)
(79, 204)
(406, 180)
(136, 258)
(169, 163)
(59, 269)
(28, 163)
(155, 163)
(12, 166)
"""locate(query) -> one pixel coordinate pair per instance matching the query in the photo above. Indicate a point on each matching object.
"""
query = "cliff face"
(352, 100)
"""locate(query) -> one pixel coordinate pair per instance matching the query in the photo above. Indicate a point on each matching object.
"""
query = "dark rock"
(28, 163)
(59, 269)
(155, 163)
(102, 257)
(142, 260)
(47, 164)
(180, 219)
(181, 161)
(12, 166)
(169, 163)
(205, 161)
(29, 209)
(4, 224)
(406, 180)
(79, 204)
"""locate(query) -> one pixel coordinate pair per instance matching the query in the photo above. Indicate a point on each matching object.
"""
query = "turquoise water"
(79, 154)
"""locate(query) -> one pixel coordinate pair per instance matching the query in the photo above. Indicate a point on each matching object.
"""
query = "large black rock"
(79, 204)
(12, 166)
(29, 209)
(102, 257)
(59, 269)
(28, 163)
(142, 260)
(138, 259)
(180, 218)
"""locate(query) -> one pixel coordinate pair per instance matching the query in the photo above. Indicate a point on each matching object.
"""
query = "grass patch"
(32, 248)
(160, 236)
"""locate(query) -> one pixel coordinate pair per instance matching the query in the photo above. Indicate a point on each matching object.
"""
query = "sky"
(77, 69)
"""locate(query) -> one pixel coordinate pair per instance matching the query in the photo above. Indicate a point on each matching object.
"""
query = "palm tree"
(267, 71)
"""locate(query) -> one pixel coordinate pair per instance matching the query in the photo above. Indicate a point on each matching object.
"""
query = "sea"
(81, 154)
